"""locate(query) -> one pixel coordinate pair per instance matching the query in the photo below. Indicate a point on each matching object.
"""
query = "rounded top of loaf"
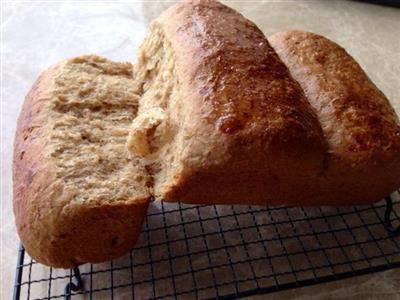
(234, 79)
(357, 119)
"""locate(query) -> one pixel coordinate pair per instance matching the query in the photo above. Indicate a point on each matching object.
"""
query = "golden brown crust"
(54, 229)
(234, 77)
(360, 126)
(237, 78)
(240, 113)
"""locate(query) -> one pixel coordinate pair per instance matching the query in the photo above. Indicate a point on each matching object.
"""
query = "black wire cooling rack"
(227, 252)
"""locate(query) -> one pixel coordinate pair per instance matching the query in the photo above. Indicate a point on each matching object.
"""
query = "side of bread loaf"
(361, 128)
(78, 196)
(220, 119)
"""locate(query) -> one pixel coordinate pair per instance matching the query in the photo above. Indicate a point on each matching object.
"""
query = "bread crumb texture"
(94, 103)
(156, 84)
(154, 134)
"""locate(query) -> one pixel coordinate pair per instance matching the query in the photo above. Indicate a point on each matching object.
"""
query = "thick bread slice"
(360, 126)
(220, 118)
(78, 196)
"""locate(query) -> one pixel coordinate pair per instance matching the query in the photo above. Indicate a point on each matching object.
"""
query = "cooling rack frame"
(386, 216)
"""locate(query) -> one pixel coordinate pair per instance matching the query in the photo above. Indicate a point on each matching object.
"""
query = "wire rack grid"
(227, 252)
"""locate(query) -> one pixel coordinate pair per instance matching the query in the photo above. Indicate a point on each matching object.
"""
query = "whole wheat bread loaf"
(222, 121)
(220, 118)
(208, 114)
(78, 196)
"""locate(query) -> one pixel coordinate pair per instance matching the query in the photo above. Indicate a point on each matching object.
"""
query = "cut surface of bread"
(78, 196)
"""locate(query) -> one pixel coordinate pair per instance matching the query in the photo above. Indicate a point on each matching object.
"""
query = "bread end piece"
(78, 197)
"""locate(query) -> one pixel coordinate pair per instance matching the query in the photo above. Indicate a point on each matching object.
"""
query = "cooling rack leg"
(18, 274)
(73, 286)
(388, 223)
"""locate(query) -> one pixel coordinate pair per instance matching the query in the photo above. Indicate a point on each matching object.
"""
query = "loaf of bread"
(220, 118)
(78, 196)
(222, 121)
(210, 113)
(362, 131)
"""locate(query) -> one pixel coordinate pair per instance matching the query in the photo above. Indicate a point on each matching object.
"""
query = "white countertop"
(36, 34)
